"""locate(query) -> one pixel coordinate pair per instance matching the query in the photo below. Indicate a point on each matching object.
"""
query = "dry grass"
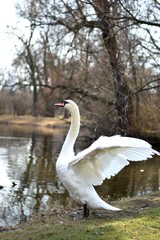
(29, 120)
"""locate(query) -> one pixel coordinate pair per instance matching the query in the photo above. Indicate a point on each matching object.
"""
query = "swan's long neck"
(68, 145)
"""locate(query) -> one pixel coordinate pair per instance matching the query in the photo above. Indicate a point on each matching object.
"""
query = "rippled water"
(30, 184)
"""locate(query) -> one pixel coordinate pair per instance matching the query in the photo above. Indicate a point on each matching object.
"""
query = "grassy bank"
(139, 220)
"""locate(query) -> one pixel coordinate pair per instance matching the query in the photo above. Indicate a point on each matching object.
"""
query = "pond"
(29, 184)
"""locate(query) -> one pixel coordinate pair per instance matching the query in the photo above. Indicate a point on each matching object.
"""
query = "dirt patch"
(130, 207)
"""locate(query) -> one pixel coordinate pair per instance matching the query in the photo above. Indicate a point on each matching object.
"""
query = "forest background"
(104, 54)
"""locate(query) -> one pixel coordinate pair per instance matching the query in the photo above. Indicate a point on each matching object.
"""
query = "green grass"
(145, 226)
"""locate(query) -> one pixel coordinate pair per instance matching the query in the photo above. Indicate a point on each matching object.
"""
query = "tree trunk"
(123, 103)
(32, 65)
(123, 100)
(35, 100)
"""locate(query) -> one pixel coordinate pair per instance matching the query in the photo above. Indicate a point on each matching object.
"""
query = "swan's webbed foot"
(85, 210)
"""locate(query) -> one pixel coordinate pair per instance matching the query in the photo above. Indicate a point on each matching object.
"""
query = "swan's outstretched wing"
(107, 156)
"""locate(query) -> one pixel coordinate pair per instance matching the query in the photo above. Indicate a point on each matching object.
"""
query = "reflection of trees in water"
(38, 183)
(38, 180)
(138, 178)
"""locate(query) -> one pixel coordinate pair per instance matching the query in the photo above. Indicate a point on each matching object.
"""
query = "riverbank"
(139, 220)
(45, 125)
(47, 122)
(52, 124)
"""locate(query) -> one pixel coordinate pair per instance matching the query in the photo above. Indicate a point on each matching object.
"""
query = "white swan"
(103, 159)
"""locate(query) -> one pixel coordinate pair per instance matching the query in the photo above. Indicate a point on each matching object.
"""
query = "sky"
(7, 17)
(7, 42)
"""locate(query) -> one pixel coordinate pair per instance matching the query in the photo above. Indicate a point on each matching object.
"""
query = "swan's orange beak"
(61, 104)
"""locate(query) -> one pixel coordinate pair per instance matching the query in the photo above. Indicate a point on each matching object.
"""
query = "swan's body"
(103, 159)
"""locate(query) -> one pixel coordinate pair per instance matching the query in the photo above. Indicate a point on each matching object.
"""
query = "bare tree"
(92, 49)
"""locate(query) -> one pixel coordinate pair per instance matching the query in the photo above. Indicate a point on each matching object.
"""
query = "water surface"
(27, 172)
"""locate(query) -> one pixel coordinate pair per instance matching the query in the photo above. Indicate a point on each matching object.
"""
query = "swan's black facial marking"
(65, 102)
(61, 104)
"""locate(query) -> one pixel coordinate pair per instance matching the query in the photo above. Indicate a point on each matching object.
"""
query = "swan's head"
(68, 104)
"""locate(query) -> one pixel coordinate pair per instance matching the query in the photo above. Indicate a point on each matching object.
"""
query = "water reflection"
(27, 158)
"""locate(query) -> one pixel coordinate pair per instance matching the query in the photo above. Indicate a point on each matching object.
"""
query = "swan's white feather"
(103, 159)
(107, 156)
